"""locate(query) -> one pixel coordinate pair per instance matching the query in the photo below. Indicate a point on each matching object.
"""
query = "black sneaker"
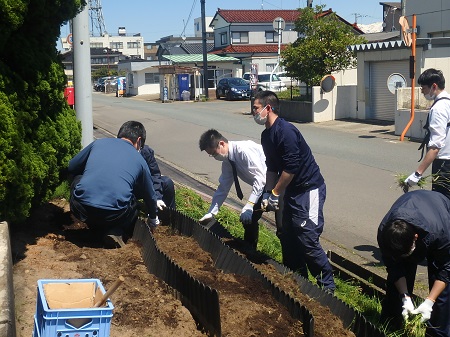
(113, 241)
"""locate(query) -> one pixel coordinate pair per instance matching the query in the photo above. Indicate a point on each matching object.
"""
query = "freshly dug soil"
(54, 245)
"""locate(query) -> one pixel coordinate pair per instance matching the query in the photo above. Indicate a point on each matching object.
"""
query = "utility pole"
(205, 56)
(82, 75)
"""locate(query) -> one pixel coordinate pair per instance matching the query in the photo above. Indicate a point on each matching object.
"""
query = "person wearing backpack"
(436, 140)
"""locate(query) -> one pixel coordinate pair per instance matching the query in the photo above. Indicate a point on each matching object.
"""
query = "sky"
(156, 19)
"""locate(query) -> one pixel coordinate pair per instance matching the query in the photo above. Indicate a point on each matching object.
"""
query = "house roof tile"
(267, 16)
(257, 16)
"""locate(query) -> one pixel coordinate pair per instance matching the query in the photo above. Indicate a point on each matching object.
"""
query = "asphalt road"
(358, 160)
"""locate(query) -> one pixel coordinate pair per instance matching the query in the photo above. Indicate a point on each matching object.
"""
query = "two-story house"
(253, 37)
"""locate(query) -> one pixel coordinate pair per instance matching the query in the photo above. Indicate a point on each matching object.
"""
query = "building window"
(135, 44)
(271, 37)
(151, 78)
(116, 45)
(270, 67)
(223, 38)
(239, 37)
(96, 45)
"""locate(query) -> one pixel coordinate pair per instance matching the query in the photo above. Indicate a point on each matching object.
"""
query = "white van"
(264, 82)
(289, 81)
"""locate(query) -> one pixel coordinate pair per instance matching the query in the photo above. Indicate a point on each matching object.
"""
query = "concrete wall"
(339, 103)
(432, 16)
(295, 111)
(336, 104)
(416, 130)
(438, 58)
(403, 113)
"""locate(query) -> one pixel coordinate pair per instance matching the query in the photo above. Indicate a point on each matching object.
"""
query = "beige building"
(130, 45)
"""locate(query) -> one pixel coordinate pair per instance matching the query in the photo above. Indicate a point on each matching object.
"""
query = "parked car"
(264, 82)
(109, 85)
(99, 84)
(233, 88)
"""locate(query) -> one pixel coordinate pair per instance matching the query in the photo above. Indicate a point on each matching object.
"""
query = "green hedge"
(39, 133)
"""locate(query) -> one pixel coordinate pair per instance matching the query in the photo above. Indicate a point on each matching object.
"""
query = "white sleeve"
(258, 171)
(251, 164)
(439, 117)
(225, 181)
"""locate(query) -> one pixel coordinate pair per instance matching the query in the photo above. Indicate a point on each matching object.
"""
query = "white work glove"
(160, 204)
(205, 219)
(246, 214)
(424, 309)
(152, 224)
(412, 180)
(265, 200)
(408, 307)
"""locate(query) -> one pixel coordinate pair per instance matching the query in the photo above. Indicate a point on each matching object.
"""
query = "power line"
(189, 18)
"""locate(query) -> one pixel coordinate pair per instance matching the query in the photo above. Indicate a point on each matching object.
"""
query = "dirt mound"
(52, 245)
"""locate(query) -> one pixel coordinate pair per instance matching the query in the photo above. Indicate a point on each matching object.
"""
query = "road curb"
(7, 313)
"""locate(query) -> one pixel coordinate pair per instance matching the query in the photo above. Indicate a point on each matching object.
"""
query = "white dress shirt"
(439, 131)
(250, 166)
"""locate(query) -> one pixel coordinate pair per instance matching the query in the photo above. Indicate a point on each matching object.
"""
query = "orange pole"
(412, 75)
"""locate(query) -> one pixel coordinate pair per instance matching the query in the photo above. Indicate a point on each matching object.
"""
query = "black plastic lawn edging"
(201, 300)
(352, 319)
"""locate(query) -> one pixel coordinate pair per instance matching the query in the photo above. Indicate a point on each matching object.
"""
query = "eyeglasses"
(215, 153)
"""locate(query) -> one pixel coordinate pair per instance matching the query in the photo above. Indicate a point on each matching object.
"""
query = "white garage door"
(383, 102)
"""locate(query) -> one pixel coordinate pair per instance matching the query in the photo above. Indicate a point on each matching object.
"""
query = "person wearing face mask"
(436, 140)
(416, 228)
(110, 175)
(294, 177)
(248, 159)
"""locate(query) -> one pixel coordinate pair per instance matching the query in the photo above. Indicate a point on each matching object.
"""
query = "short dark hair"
(267, 97)
(209, 139)
(398, 237)
(431, 76)
(132, 130)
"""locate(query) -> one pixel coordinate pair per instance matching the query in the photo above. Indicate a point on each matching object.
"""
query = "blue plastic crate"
(71, 322)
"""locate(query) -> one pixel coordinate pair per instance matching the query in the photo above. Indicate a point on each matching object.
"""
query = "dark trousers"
(440, 170)
(302, 225)
(116, 222)
(251, 231)
(168, 192)
(391, 305)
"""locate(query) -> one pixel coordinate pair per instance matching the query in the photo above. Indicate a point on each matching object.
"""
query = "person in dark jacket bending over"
(163, 185)
(417, 227)
(293, 171)
(109, 176)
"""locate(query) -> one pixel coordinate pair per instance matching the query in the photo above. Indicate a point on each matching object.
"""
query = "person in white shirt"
(437, 138)
(250, 162)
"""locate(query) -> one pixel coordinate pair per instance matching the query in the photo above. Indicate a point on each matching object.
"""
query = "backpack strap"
(426, 139)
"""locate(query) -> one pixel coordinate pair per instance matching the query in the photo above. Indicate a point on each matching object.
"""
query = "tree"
(39, 132)
(321, 48)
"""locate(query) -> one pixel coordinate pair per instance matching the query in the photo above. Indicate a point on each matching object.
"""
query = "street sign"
(279, 24)
(69, 39)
